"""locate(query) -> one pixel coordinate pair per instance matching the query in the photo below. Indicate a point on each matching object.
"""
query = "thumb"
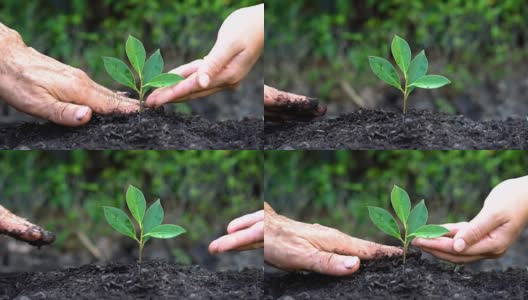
(475, 231)
(334, 264)
(215, 61)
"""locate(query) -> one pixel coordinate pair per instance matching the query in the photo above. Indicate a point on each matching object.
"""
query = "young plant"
(149, 221)
(413, 221)
(149, 73)
(414, 72)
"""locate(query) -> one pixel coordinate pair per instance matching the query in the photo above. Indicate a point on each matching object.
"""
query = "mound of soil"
(152, 129)
(373, 129)
(157, 280)
(388, 278)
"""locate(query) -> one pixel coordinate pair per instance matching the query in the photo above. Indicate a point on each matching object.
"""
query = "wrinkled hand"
(238, 46)
(291, 245)
(287, 106)
(491, 232)
(43, 87)
(23, 230)
(244, 233)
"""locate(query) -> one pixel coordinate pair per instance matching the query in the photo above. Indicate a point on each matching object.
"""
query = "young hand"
(244, 233)
(43, 87)
(287, 106)
(238, 46)
(292, 245)
(491, 232)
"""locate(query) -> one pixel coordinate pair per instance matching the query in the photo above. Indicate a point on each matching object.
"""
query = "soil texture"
(374, 129)
(388, 278)
(152, 129)
(157, 280)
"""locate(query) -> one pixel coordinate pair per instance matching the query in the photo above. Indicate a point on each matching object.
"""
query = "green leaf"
(384, 221)
(417, 218)
(418, 68)
(385, 71)
(153, 67)
(136, 203)
(165, 231)
(136, 53)
(164, 80)
(430, 231)
(119, 71)
(401, 203)
(431, 82)
(120, 221)
(153, 217)
(401, 53)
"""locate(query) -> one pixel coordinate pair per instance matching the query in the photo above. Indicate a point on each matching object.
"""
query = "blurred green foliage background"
(314, 46)
(65, 191)
(333, 188)
(80, 32)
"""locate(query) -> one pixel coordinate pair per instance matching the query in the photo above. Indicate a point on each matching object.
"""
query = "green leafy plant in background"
(414, 72)
(149, 220)
(149, 72)
(414, 222)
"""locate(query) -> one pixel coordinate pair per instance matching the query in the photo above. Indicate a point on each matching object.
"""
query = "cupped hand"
(491, 232)
(23, 230)
(280, 105)
(43, 87)
(238, 46)
(244, 233)
(292, 245)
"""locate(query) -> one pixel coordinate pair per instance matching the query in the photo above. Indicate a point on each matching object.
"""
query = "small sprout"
(149, 73)
(414, 72)
(149, 220)
(413, 221)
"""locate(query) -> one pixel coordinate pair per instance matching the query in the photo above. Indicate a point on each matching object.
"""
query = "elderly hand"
(280, 105)
(43, 87)
(291, 245)
(23, 230)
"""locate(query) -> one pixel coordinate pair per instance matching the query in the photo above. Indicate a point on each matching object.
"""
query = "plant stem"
(405, 246)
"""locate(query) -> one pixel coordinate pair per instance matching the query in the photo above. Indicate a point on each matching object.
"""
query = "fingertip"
(204, 80)
(213, 247)
(351, 263)
(459, 245)
(417, 242)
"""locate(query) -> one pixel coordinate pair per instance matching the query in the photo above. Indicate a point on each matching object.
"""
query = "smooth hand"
(491, 232)
(244, 233)
(43, 87)
(238, 46)
(292, 245)
(23, 230)
(280, 105)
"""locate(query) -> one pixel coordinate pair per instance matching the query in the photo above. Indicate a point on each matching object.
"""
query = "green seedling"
(149, 73)
(414, 222)
(148, 220)
(414, 72)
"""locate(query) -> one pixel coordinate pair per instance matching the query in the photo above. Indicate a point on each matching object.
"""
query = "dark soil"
(153, 129)
(373, 129)
(158, 280)
(388, 278)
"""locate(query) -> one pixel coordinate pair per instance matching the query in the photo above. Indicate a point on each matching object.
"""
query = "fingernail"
(81, 113)
(459, 245)
(203, 79)
(351, 262)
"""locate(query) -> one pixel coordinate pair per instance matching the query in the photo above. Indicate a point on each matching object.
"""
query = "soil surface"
(374, 129)
(152, 129)
(388, 278)
(158, 280)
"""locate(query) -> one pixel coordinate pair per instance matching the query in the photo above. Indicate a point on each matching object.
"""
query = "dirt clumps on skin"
(152, 129)
(388, 278)
(158, 280)
(374, 129)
